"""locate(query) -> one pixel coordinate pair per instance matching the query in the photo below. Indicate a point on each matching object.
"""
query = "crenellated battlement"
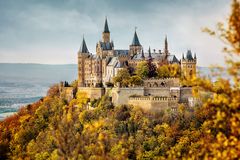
(151, 98)
(155, 79)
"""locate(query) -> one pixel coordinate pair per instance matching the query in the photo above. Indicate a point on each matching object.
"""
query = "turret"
(135, 47)
(188, 65)
(83, 53)
(83, 48)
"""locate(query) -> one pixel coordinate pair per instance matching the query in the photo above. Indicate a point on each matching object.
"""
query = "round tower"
(83, 53)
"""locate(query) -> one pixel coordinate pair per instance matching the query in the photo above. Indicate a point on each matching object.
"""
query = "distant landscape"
(22, 84)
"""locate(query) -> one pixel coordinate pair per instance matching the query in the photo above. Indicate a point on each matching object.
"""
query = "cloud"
(40, 31)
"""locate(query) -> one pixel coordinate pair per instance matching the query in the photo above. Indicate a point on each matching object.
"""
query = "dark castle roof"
(156, 56)
(135, 41)
(106, 29)
(83, 48)
(121, 52)
(189, 55)
(107, 45)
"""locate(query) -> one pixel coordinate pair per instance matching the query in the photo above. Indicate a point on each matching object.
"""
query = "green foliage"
(135, 81)
(122, 77)
(142, 70)
(146, 69)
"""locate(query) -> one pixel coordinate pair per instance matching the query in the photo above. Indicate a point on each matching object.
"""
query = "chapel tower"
(105, 47)
(106, 33)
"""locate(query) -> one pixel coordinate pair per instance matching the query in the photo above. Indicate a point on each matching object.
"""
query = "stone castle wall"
(165, 92)
(162, 82)
(155, 104)
(148, 98)
(121, 95)
(92, 93)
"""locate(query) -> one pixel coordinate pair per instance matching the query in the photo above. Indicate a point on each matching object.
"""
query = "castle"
(96, 70)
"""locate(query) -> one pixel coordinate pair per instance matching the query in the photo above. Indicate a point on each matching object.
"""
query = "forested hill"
(52, 128)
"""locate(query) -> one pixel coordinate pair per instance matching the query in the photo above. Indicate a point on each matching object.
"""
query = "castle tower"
(105, 47)
(106, 32)
(83, 53)
(135, 47)
(188, 65)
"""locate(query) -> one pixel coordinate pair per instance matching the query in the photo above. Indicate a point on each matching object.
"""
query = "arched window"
(149, 84)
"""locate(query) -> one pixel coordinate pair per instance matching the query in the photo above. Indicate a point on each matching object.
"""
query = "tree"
(146, 69)
(175, 70)
(152, 70)
(142, 70)
(163, 71)
(136, 80)
(122, 77)
(220, 127)
(170, 70)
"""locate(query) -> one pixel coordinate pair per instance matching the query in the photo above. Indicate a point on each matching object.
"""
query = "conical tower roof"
(83, 48)
(135, 41)
(106, 29)
(189, 55)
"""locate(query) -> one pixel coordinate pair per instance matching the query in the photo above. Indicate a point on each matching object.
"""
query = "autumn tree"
(146, 69)
(219, 129)
(170, 70)
(136, 80)
(122, 77)
(142, 70)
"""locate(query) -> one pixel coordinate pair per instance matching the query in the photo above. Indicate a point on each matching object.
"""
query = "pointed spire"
(142, 56)
(195, 57)
(166, 45)
(183, 56)
(149, 53)
(189, 55)
(106, 29)
(83, 48)
(135, 41)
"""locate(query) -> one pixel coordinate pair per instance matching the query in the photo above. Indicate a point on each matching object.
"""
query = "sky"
(51, 31)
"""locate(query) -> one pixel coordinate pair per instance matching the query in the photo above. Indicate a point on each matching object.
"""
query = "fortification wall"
(162, 82)
(155, 104)
(92, 93)
(121, 95)
(164, 92)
